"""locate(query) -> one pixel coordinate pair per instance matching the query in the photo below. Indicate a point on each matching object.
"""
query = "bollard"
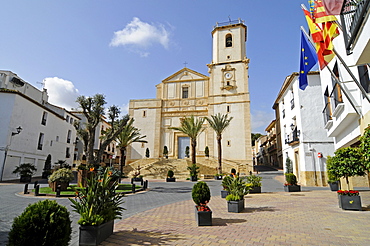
(58, 191)
(133, 188)
(37, 190)
(36, 183)
(146, 184)
(132, 180)
(142, 182)
(25, 191)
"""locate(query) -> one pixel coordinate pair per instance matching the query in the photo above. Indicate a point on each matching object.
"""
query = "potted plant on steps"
(346, 163)
(291, 184)
(235, 198)
(193, 170)
(165, 152)
(333, 180)
(170, 176)
(226, 186)
(98, 205)
(201, 196)
(25, 170)
(60, 177)
(254, 182)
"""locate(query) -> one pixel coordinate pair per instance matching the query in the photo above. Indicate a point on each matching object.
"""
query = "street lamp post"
(19, 129)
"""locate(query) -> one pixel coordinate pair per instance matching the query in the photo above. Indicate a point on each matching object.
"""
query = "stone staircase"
(158, 168)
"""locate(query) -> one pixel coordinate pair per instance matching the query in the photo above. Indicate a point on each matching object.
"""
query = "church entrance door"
(183, 142)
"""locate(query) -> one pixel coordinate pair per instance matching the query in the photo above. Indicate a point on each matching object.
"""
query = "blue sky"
(122, 49)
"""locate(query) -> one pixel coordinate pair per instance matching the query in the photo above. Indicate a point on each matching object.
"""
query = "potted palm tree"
(25, 170)
(193, 170)
(254, 182)
(235, 198)
(201, 196)
(98, 205)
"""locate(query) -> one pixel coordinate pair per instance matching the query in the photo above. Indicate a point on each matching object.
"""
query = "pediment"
(185, 74)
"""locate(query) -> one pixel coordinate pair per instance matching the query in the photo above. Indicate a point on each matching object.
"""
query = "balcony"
(352, 17)
(327, 113)
(271, 148)
(293, 138)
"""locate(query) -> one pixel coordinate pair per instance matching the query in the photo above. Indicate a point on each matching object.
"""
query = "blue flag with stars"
(308, 60)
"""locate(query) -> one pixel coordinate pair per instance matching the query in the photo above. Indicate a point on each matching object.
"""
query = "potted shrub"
(226, 186)
(235, 198)
(165, 152)
(147, 153)
(170, 176)
(201, 196)
(347, 162)
(218, 176)
(333, 180)
(193, 170)
(291, 184)
(25, 170)
(42, 223)
(60, 177)
(187, 151)
(98, 205)
(206, 151)
(254, 182)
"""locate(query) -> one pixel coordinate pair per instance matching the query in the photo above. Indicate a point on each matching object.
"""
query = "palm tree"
(218, 123)
(128, 135)
(191, 127)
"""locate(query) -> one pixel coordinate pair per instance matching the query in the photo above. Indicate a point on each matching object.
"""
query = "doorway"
(182, 143)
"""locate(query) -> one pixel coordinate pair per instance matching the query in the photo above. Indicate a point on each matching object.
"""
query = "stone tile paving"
(303, 218)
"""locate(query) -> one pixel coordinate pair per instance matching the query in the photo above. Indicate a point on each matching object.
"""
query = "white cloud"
(139, 36)
(61, 92)
(260, 120)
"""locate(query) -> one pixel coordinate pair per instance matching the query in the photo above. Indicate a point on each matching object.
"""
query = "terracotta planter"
(94, 235)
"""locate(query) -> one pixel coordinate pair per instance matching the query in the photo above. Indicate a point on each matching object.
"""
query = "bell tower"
(228, 88)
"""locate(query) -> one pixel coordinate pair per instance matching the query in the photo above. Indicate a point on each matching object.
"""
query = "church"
(187, 92)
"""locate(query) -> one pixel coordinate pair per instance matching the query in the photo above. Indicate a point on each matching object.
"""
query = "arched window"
(229, 40)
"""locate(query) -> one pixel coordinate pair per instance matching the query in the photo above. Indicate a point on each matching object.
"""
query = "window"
(144, 113)
(69, 136)
(185, 92)
(228, 143)
(71, 120)
(41, 141)
(292, 101)
(67, 118)
(57, 138)
(67, 153)
(283, 113)
(44, 117)
(363, 72)
(228, 109)
(229, 40)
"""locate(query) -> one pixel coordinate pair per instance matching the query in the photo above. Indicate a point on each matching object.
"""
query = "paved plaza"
(164, 215)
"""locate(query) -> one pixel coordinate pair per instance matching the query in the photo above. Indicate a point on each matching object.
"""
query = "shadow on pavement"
(4, 237)
(224, 222)
(136, 237)
(259, 209)
(172, 190)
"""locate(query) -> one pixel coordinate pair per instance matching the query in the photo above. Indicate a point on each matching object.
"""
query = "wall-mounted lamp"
(19, 129)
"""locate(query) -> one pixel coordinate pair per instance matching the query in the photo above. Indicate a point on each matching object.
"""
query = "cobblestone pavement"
(164, 215)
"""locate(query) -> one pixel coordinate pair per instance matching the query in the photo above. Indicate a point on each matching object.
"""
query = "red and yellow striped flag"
(320, 15)
(315, 30)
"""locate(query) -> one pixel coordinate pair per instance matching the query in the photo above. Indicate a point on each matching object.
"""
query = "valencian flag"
(308, 60)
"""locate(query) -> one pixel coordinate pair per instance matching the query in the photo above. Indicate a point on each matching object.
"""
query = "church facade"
(188, 92)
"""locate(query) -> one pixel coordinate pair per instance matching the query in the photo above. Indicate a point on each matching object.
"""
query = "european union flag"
(308, 60)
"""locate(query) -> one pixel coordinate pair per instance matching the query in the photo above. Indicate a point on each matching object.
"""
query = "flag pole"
(335, 77)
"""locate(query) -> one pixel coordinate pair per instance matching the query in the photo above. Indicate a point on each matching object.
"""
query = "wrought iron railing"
(327, 113)
(335, 97)
(293, 137)
(238, 21)
(352, 16)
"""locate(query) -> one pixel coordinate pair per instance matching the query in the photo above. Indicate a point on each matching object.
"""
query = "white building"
(347, 102)
(188, 92)
(303, 137)
(44, 128)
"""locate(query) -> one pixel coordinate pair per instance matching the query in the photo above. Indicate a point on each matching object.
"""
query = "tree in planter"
(193, 170)
(192, 127)
(93, 109)
(165, 152)
(147, 153)
(61, 177)
(25, 170)
(201, 195)
(206, 151)
(219, 123)
(42, 223)
(47, 167)
(127, 136)
(347, 162)
(365, 148)
(288, 165)
(332, 178)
